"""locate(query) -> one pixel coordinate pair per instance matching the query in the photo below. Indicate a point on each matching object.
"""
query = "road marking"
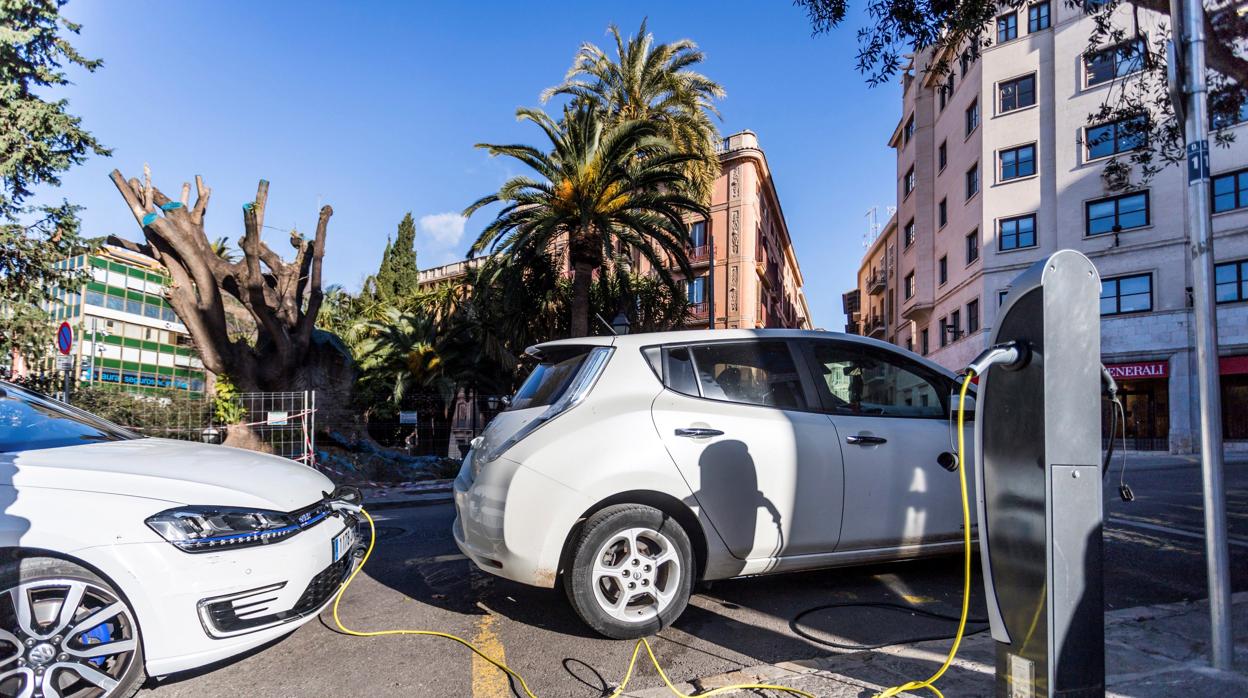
(488, 680)
(1173, 531)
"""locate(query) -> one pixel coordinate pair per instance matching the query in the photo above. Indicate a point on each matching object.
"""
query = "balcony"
(699, 311)
(851, 328)
(699, 254)
(874, 326)
(876, 282)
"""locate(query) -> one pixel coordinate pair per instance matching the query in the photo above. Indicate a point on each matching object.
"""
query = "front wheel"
(64, 631)
(631, 572)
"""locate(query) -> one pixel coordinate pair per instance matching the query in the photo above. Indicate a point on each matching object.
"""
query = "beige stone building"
(998, 167)
(746, 273)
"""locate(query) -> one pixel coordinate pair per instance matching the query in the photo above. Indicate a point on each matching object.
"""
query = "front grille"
(243, 612)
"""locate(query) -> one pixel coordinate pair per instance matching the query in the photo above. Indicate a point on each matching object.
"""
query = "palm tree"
(650, 82)
(221, 248)
(402, 352)
(600, 189)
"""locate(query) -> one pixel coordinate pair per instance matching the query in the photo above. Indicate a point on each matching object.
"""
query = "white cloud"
(444, 229)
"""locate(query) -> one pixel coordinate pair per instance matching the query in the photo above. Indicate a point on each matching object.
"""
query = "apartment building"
(125, 332)
(998, 167)
(746, 273)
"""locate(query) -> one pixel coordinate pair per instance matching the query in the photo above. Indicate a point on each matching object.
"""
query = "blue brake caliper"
(98, 635)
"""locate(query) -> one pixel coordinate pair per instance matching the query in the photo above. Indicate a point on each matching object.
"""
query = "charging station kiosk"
(1038, 442)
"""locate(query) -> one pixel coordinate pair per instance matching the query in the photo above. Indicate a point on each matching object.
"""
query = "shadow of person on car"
(728, 476)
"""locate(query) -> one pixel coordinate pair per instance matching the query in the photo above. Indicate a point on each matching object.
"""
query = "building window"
(1018, 162)
(909, 129)
(908, 287)
(697, 234)
(942, 156)
(1017, 233)
(942, 270)
(972, 181)
(944, 332)
(1037, 17)
(1127, 294)
(907, 184)
(1223, 113)
(968, 57)
(972, 316)
(942, 212)
(955, 324)
(946, 91)
(924, 344)
(972, 117)
(1116, 137)
(1230, 191)
(695, 290)
(1231, 282)
(1117, 213)
(1017, 93)
(909, 344)
(1114, 62)
(972, 246)
(908, 233)
(1007, 28)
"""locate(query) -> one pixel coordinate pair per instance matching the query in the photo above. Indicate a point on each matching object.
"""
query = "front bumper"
(195, 609)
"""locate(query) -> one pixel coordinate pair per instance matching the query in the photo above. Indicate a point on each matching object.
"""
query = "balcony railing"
(699, 310)
(699, 253)
(875, 282)
(874, 325)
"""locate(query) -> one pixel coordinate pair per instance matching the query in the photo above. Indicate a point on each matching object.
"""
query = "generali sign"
(1140, 369)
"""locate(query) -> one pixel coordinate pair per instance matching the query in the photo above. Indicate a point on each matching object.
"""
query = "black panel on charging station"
(1038, 438)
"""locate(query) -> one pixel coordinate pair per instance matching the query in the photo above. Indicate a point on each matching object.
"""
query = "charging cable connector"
(1011, 355)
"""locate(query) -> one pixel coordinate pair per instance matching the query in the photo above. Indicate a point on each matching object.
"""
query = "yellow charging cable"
(372, 539)
(929, 684)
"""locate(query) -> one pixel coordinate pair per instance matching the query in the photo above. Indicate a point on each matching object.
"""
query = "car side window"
(678, 373)
(754, 373)
(863, 381)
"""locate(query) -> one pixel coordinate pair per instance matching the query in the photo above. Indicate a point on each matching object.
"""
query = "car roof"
(646, 339)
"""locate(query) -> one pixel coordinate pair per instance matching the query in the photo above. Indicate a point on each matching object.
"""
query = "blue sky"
(374, 109)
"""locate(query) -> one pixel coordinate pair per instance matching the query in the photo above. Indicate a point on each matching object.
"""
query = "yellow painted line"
(488, 681)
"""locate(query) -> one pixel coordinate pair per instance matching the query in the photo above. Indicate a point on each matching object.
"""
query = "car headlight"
(197, 529)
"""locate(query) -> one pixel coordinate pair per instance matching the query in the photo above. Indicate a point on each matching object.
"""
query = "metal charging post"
(1038, 443)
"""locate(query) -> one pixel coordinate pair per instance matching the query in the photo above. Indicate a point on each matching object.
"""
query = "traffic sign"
(65, 338)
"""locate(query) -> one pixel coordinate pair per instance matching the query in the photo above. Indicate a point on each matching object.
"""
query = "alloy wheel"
(64, 638)
(636, 574)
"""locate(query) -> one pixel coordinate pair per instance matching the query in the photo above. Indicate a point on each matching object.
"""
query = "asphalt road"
(417, 579)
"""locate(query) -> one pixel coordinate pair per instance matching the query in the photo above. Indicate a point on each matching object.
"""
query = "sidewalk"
(1152, 460)
(405, 494)
(1150, 651)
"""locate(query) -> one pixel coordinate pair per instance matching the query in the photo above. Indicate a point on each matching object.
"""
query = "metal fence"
(285, 421)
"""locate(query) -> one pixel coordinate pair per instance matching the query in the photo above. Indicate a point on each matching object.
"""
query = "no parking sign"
(65, 338)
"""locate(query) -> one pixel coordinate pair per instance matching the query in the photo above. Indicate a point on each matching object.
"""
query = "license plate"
(343, 542)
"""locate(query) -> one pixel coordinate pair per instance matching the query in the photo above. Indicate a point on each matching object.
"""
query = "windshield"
(550, 378)
(30, 421)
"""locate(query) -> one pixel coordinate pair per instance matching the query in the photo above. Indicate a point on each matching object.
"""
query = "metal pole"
(710, 275)
(1200, 240)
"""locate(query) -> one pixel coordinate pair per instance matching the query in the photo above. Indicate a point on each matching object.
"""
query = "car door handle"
(865, 440)
(698, 432)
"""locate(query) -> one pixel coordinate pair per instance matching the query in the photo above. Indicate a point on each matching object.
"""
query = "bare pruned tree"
(283, 297)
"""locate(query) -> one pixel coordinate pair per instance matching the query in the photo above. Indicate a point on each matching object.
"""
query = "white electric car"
(122, 556)
(629, 467)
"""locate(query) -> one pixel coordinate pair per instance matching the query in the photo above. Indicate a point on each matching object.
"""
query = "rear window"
(550, 378)
(29, 421)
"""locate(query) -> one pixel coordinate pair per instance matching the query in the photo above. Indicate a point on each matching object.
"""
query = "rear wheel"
(631, 572)
(65, 632)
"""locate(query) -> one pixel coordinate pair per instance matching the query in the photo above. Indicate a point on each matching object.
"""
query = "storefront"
(1144, 388)
(1233, 372)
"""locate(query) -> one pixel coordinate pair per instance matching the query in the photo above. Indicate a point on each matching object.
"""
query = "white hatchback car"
(630, 467)
(124, 556)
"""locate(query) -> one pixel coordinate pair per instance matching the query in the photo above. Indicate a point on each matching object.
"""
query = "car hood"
(183, 472)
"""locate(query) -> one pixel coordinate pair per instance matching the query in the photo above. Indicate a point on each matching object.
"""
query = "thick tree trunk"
(582, 276)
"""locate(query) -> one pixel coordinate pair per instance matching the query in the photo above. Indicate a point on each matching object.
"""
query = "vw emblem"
(42, 654)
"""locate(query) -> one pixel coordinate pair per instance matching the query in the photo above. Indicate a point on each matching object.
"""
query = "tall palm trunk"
(582, 276)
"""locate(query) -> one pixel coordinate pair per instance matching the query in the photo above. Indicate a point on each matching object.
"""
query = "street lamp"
(211, 435)
(620, 325)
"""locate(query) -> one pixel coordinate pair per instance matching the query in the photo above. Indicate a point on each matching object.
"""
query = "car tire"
(47, 652)
(631, 571)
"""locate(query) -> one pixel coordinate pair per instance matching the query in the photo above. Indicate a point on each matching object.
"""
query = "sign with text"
(1139, 369)
(407, 417)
